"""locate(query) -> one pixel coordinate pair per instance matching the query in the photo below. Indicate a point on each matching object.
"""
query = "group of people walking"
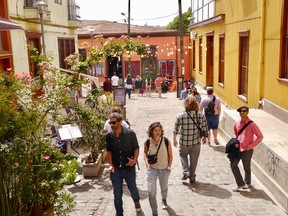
(140, 85)
(193, 127)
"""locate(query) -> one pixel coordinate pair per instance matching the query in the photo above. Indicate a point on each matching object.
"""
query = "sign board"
(69, 132)
(119, 95)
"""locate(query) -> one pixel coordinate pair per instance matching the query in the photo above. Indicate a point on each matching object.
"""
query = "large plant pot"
(92, 169)
(104, 155)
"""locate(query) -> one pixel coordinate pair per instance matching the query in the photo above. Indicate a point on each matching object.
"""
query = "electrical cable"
(156, 17)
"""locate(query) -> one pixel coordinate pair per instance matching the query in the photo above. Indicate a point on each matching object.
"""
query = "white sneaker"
(164, 204)
(241, 188)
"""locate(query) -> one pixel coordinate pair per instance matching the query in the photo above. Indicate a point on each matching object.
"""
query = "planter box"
(92, 169)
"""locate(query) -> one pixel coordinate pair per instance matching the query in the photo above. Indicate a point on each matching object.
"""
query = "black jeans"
(246, 157)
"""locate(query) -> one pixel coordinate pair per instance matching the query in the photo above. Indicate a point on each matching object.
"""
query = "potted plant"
(32, 172)
(91, 116)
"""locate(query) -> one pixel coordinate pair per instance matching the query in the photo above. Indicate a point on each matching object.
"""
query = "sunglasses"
(242, 111)
(113, 122)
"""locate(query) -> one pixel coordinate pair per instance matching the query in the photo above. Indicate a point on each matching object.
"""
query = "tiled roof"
(114, 29)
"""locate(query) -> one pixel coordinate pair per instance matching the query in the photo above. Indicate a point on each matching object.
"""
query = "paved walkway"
(211, 194)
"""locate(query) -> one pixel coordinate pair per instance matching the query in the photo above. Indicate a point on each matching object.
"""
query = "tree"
(186, 22)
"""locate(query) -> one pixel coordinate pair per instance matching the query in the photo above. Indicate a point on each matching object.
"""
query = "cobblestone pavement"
(211, 194)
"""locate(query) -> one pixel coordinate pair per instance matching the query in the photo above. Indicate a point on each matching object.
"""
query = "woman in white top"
(148, 82)
(162, 168)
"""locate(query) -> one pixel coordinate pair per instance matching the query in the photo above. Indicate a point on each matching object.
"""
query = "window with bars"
(202, 10)
(284, 43)
(221, 59)
(66, 47)
(243, 63)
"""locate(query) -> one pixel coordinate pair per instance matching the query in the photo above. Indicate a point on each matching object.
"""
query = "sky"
(150, 12)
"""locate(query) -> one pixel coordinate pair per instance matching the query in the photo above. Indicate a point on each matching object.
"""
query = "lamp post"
(91, 30)
(180, 79)
(129, 33)
(40, 7)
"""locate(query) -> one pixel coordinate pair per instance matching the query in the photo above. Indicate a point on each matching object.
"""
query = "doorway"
(209, 60)
(114, 64)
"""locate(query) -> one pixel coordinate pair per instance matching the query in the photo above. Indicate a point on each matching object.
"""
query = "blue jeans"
(117, 181)
(163, 176)
(129, 92)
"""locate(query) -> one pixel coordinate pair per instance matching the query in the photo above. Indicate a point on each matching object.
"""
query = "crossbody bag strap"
(159, 146)
(242, 129)
(194, 121)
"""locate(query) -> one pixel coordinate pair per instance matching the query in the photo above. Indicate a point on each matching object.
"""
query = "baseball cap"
(242, 107)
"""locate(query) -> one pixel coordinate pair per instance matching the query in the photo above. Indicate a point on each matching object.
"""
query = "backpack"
(209, 110)
(147, 143)
(129, 81)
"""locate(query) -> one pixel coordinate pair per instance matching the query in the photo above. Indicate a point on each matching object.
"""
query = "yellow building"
(241, 49)
(60, 21)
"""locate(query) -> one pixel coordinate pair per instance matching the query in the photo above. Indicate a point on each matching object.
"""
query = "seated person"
(185, 91)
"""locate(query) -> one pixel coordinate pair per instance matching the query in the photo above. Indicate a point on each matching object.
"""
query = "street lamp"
(91, 30)
(40, 7)
(123, 14)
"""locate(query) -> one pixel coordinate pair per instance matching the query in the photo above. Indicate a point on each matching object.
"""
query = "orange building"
(164, 53)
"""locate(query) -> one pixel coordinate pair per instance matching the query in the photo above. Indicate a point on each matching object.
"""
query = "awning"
(6, 24)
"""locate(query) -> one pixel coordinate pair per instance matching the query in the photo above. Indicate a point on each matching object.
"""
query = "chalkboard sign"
(119, 96)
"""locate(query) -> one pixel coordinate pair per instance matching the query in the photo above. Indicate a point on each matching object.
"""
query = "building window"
(193, 54)
(167, 67)
(66, 47)
(200, 54)
(221, 58)
(243, 63)
(202, 10)
(284, 43)
(58, 1)
(1, 43)
(33, 41)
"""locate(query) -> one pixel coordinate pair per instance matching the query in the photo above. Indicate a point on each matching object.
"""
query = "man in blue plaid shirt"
(188, 125)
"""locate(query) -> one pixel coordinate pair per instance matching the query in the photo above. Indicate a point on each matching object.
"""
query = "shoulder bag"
(202, 133)
(152, 159)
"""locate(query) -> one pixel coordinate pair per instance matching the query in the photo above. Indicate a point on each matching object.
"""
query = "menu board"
(69, 132)
(119, 95)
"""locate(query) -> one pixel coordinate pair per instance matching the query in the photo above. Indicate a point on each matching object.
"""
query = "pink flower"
(46, 157)
(9, 69)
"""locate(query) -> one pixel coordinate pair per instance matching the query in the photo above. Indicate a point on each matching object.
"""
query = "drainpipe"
(262, 49)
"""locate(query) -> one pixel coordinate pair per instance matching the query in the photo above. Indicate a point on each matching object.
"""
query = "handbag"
(152, 159)
(231, 143)
(202, 133)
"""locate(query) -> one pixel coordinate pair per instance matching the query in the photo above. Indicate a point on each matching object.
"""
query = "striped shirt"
(188, 131)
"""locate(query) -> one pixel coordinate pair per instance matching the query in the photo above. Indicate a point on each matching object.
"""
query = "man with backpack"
(211, 106)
